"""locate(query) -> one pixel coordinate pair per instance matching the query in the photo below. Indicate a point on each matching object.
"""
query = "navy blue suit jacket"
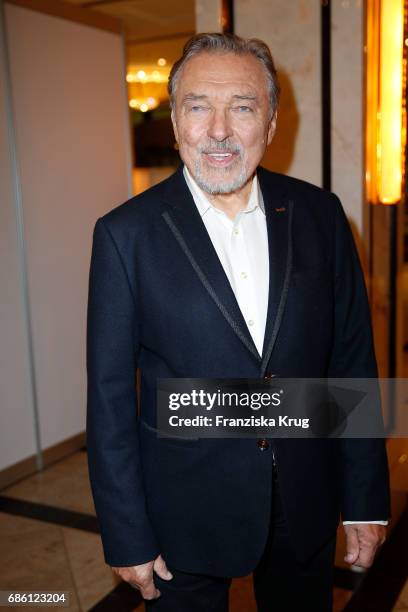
(159, 300)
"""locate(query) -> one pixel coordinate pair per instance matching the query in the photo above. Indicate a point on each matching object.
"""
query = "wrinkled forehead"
(222, 73)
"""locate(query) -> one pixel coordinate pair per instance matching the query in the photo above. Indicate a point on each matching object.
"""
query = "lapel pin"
(281, 209)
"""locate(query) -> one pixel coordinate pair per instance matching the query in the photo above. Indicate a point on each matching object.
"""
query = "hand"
(363, 541)
(141, 576)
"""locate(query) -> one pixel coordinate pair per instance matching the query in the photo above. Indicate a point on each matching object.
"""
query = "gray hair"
(227, 43)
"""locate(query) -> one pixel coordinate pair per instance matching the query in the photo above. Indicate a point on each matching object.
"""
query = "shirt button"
(236, 231)
(250, 322)
(263, 444)
(244, 274)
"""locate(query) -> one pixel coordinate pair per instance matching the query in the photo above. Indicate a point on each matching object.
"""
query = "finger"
(365, 559)
(146, 587)
(369, 545)
(150, 591)
(367, 553)
(161, 569)
(352, 546)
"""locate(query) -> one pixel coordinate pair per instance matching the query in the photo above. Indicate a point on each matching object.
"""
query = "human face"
(222, 119)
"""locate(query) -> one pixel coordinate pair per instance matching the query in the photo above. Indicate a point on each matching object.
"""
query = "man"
(226, 270)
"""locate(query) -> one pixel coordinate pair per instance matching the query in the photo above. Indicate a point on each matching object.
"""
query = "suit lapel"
(187, 227)
(278, 211)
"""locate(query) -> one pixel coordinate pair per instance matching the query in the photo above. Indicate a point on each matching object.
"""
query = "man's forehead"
(234, 81)
(222, 68)
(241, 74)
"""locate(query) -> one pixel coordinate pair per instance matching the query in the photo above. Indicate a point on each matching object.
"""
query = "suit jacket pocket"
(167, 440)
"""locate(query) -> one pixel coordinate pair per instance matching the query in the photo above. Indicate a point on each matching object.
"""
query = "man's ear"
(272, 126)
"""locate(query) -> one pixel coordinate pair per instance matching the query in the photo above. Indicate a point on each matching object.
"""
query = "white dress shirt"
(242, 248)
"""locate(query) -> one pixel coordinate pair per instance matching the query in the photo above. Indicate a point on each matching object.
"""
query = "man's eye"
(243, 109)
(196, 109)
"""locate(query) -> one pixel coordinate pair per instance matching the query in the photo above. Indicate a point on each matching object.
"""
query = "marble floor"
(49, 541)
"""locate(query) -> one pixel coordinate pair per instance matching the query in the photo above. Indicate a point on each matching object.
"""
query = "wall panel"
(292, 30)
(72, 136)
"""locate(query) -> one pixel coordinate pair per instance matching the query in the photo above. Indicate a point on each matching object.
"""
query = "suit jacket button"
(263, 444)
(268, 376)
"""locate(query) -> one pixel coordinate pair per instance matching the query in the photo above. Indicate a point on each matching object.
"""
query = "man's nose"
(219, 127)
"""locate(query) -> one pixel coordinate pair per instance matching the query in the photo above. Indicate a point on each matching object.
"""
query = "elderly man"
(227, 270)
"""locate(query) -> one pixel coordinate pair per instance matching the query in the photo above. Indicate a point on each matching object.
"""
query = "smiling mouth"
(220, 158)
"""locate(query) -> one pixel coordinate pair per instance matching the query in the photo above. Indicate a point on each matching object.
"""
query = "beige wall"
(208, 15)
(292, 30)
(17, 439)
(347, 108)
(72, 140)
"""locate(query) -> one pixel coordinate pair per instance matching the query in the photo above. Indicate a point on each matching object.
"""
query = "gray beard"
(217, 186)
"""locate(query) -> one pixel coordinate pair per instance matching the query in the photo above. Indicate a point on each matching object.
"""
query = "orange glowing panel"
(389, 147)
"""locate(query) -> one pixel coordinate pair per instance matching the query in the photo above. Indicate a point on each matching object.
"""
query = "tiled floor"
(39, 555)
(65, 484)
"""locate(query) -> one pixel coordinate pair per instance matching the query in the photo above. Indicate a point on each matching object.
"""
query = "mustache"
(220, 147)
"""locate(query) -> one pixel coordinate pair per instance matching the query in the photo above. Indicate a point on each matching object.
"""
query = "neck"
(232, 203)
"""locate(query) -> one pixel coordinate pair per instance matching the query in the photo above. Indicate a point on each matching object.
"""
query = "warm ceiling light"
(161, 61)
(143, 76)
(385, 136)
(144, 104)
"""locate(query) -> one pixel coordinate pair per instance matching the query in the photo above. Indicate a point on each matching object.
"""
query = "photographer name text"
(251, 421)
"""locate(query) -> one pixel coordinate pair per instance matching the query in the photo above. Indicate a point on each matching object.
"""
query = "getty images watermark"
(230, 399)
(193, 408)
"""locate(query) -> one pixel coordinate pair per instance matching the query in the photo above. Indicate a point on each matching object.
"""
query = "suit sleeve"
(112, 435)
(363, 466)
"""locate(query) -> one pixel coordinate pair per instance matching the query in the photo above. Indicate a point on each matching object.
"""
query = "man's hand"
(363, 541)
(141, 576)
